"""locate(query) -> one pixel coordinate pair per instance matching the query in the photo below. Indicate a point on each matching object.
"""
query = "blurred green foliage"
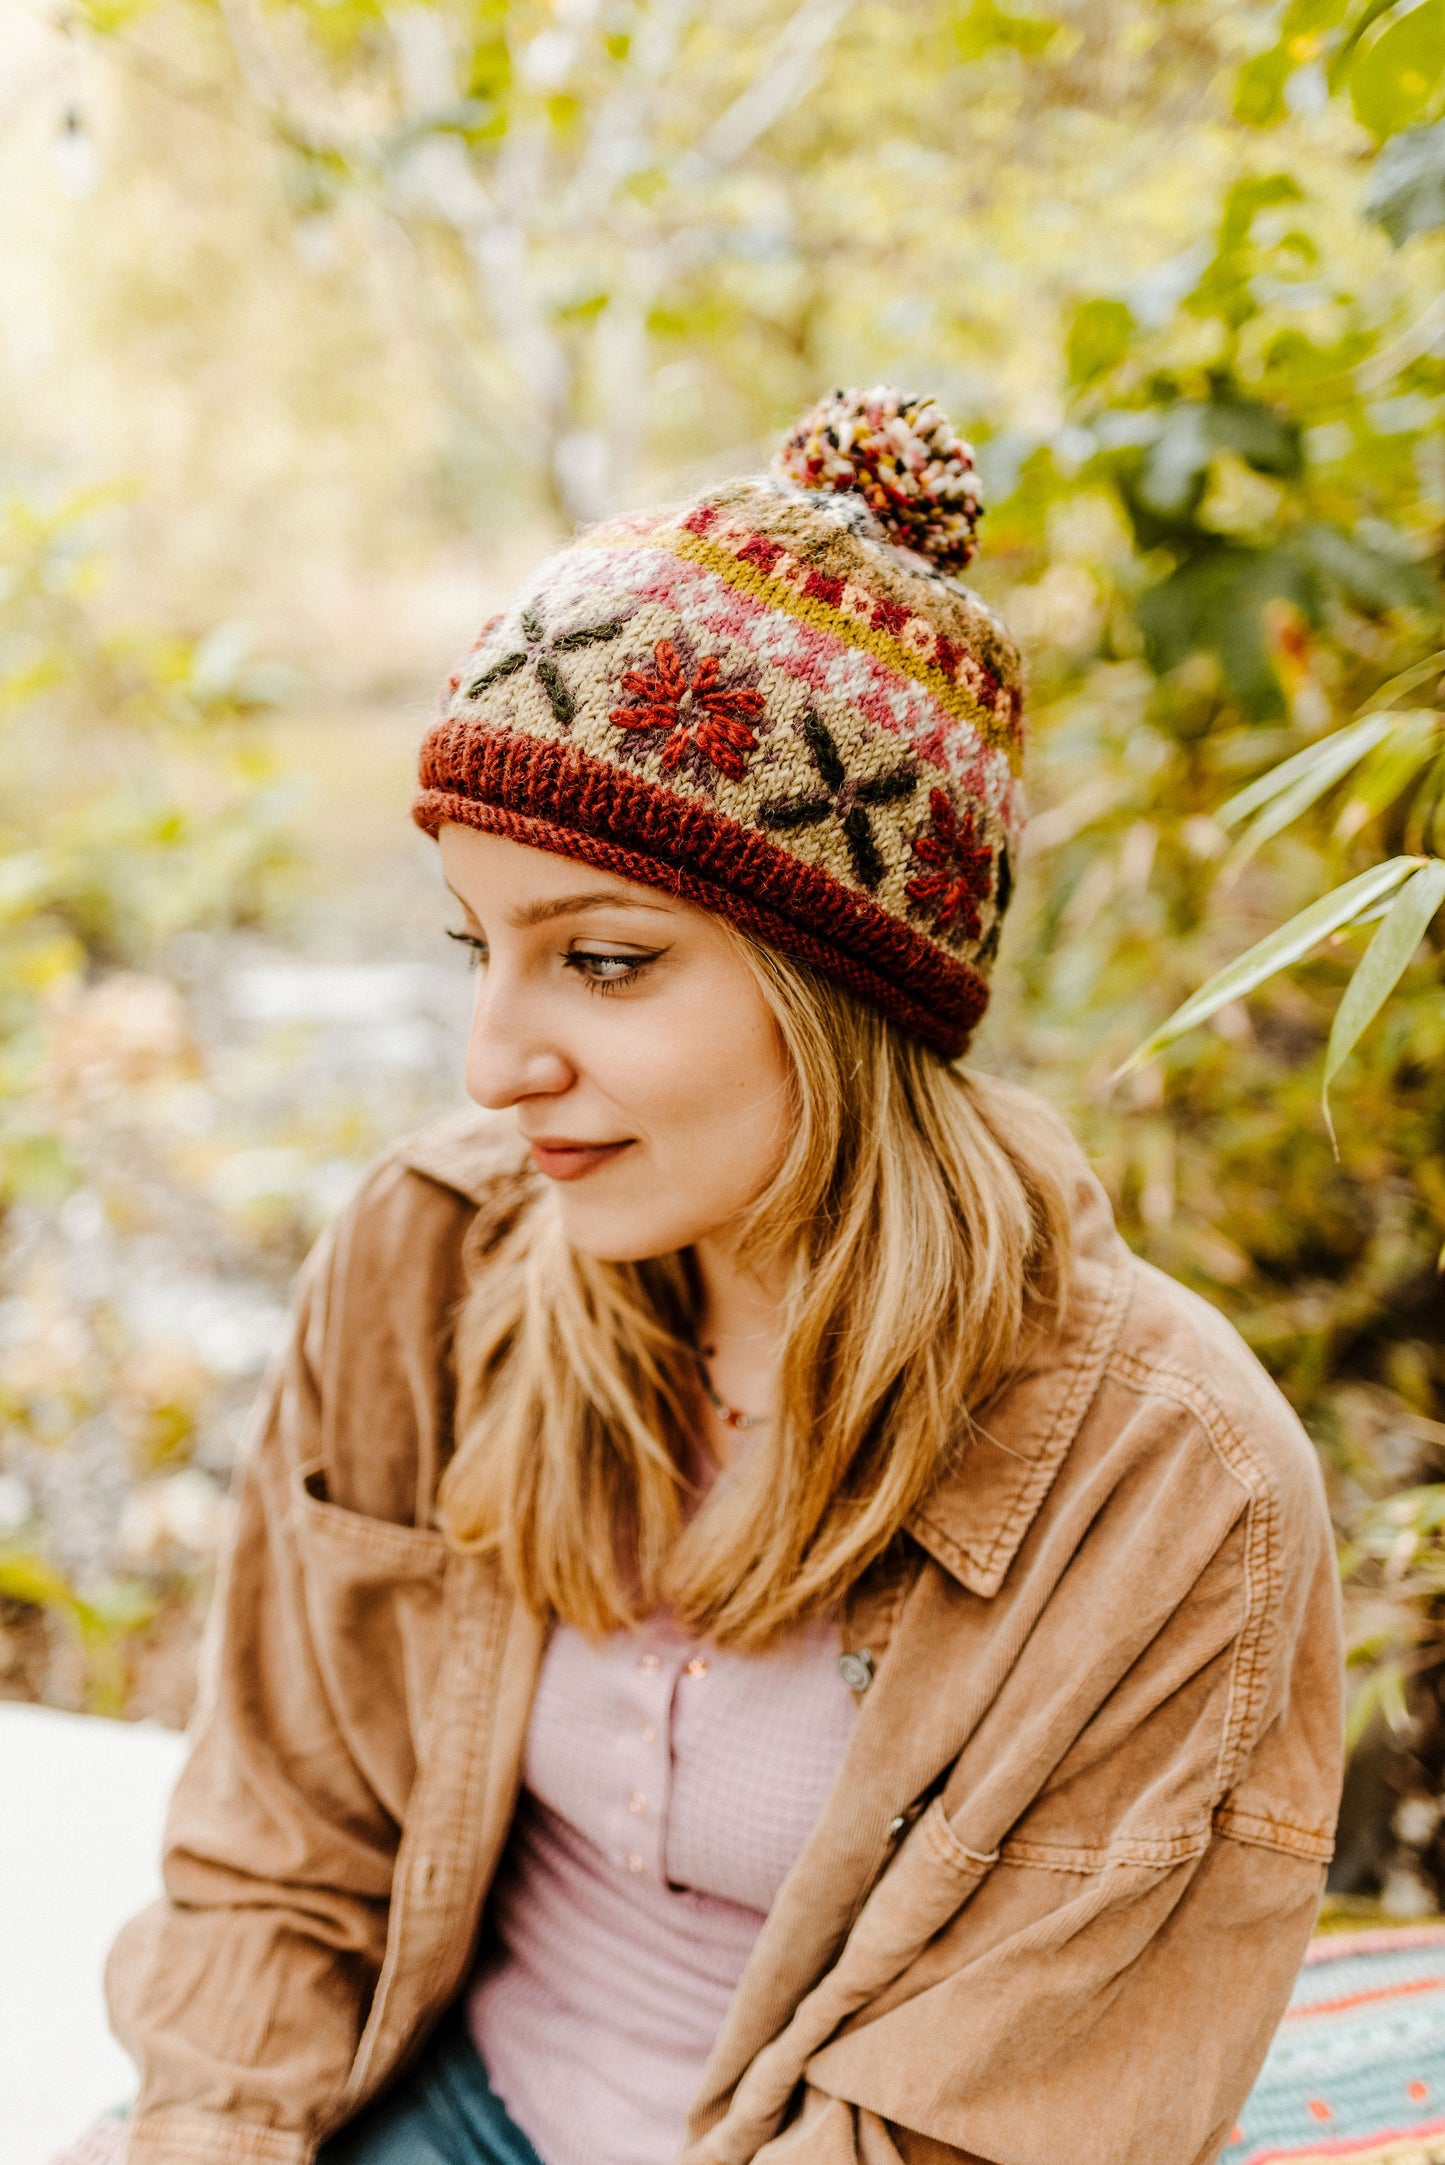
(1271, 448)
(137, 799)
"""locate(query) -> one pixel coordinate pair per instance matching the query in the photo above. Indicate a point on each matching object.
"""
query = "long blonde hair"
(921, 1214)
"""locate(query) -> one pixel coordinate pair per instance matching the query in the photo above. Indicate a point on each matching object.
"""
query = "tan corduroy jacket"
(1053, 1907)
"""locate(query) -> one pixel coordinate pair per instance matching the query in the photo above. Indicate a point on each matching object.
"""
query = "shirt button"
(637, 1802)
(697, 1666)
(634, 1862)
(649, 1734)
(856, 1669)
(649, 1664)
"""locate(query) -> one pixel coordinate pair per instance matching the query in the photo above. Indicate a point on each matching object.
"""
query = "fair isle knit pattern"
(759, 703)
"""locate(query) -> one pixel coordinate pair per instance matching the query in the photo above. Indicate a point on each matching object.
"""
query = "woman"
(754, 1629)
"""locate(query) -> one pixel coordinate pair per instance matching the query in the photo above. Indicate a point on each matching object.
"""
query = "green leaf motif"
(1269, 956)
(1382, 965)
(1406, 194)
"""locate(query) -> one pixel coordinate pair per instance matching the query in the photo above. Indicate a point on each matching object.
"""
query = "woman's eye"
(606, 971)
(478, 947)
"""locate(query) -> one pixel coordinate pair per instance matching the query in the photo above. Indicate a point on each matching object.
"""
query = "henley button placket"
(639, 1813)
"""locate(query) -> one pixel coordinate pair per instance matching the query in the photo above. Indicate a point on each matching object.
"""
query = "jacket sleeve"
(1134, 2033)
(248, 1983)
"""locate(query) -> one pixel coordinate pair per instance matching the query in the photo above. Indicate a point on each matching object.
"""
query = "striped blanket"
(1357, 2068)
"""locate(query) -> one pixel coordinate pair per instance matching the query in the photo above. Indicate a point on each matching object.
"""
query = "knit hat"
(776, 701)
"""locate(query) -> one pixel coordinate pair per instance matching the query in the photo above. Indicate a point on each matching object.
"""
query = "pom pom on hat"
(902, 456)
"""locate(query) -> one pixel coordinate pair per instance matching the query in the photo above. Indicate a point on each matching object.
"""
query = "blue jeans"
(444, 2112)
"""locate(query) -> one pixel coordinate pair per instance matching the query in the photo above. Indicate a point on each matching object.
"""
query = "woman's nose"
(509, 1055)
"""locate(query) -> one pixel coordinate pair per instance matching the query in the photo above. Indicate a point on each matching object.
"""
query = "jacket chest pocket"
(374, 1610)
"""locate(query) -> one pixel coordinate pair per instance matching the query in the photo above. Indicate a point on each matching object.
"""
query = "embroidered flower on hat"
(540, 647)
(843, 798)
(960, 870)
(692, 712)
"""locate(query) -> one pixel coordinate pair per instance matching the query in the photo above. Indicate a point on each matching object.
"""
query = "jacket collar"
(974, 1521)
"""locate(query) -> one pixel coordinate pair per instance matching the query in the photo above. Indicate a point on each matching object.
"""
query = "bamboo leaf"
(1269, 956)
(1382, 1693)
(1367, 732)
(1418, 673)
(1335, 757)
(1390, 769)
(1381, 966)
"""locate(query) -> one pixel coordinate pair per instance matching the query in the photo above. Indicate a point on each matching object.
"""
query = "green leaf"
(1382, 1693)
(1259, 87)
(1408, 680)
(1268, 441)
(1099, 336)
(29, 1578)
(1394, 79)
(1406, 194)
(1381, 967)
(1174, 470)
(1215, 603)
(1373, 578)
(1360, 737)
(1246, 199)
(984, 26)
(1333, 758)
(1269, 956)
(1390, 769)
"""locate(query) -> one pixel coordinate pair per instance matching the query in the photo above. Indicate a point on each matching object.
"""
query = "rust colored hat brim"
(553, 797)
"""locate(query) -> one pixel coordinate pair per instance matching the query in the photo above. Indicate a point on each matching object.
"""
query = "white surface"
(81, 1806)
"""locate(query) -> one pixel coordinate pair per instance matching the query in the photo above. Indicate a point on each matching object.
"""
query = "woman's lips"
(573, 1161)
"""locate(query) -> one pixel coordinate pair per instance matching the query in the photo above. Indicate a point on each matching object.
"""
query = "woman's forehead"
(533, 885)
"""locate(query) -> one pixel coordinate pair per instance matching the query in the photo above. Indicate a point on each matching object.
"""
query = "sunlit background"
(323, 318)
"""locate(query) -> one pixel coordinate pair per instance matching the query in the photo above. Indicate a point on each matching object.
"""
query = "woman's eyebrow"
(541, 913)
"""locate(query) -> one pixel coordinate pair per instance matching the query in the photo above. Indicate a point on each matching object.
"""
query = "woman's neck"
(740, 1334)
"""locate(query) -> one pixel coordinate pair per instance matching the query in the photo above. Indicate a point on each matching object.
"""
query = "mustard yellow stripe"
(998, 736)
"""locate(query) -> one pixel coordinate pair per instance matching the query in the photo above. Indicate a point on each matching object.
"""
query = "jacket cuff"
(203, 2138)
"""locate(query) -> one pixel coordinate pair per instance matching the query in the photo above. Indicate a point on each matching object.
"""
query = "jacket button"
(856, 1670)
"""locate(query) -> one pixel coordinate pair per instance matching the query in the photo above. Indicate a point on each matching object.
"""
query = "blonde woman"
(755, 1630)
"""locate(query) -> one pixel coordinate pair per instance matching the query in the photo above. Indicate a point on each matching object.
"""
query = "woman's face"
(631, 1039)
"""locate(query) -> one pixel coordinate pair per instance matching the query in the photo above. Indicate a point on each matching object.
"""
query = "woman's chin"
(604, 1227)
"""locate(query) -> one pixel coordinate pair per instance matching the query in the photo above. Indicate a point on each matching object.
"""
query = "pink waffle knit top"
(668, 1787)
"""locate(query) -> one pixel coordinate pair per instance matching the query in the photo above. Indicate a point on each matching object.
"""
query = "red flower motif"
(962, 869)
(694, 712)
